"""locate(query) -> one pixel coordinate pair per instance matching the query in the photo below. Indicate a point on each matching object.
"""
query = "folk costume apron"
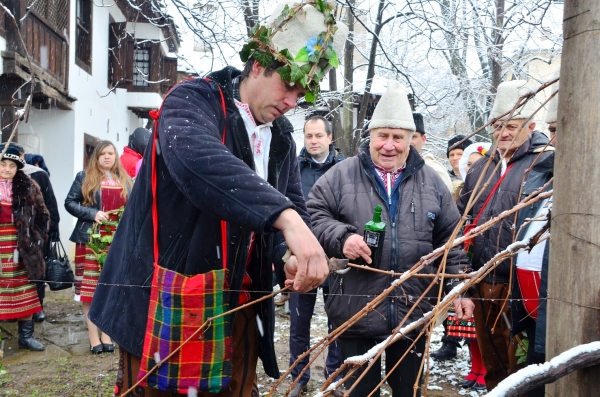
(87, 268)
(18, 296)
(179, 305)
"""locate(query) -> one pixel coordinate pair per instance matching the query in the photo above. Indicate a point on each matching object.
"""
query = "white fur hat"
(552, 109)
(507, 96)
(477, 147)
(393, 109)
(296, 33)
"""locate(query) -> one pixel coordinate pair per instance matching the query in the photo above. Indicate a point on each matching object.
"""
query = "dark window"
(55, 12)
(89, 144)
(83, 34)
(141, 68)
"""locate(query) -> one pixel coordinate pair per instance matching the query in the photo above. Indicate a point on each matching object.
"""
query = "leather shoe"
(446, 352)
(108, 347)
(298, 390)
(479, 386)
(39, 317)
(96, 349)
(466, 384)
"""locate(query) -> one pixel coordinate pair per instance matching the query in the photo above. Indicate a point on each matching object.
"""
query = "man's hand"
(308, 264)
(355, 247)
(463, 307)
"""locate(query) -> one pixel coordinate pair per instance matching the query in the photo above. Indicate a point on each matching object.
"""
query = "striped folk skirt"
(87, 273)
(18, 296)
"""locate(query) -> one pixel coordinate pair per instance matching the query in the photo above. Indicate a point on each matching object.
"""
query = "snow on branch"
(535, 375)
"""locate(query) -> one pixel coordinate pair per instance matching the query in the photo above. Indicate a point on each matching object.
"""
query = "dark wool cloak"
(32, 221)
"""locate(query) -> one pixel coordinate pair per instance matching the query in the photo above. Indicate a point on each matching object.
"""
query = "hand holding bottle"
(355, 247)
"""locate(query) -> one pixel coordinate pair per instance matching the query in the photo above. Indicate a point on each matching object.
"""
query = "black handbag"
(59, 274)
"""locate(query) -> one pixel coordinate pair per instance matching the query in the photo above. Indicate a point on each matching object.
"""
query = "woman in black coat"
(103, 187)
(24, 224)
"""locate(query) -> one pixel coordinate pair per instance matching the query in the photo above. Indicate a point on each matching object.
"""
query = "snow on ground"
(443, 376)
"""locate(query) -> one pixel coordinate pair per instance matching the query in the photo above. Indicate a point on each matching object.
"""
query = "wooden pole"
(574, 282)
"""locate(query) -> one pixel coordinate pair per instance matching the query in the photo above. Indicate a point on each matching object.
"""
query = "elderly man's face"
(389, 147)
(512, 130)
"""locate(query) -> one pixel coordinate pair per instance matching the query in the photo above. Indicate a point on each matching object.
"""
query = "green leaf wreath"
(318, 54)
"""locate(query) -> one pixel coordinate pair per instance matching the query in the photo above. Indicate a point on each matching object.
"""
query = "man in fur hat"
(228, 197)
(420, 216)
(518, 146)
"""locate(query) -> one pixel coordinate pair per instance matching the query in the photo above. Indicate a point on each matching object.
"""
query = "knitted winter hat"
(306, 38)
(552, 109)
(507, 96)
(393, 109)
(419, 124)
(479, 147)
(456, 139)
(12, 153)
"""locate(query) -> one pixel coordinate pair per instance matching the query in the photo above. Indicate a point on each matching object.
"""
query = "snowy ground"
(443, 376)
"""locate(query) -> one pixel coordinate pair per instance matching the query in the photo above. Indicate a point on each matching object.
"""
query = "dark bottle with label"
(374, 236)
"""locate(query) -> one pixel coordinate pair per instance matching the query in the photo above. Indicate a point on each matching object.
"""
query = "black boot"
(26, 340)
(446, 352)
(39, 317)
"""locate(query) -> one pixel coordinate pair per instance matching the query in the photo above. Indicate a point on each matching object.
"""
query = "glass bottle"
(374, 235)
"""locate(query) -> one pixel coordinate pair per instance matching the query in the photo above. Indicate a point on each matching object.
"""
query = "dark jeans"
(301, 312)
(401, 380)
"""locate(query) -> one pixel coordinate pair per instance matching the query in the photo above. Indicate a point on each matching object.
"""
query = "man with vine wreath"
(227, 205)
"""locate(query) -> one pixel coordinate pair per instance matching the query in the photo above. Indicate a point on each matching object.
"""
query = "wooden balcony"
(45, 52)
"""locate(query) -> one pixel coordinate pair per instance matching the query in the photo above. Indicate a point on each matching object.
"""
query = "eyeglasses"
(508, 127)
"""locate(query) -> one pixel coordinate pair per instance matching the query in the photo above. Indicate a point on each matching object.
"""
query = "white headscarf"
(472, 148)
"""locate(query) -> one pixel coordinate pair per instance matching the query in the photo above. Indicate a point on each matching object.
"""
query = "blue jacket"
(200, 182)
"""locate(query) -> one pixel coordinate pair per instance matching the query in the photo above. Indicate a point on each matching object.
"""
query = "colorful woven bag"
(179, 306)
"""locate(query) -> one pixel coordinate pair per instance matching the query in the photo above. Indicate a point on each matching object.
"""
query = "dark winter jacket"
(541, 173)
(85, 214)
(43, 180)
(421, 217)
(200, 183)
(32, 221)
(506, 197)
(310, 171)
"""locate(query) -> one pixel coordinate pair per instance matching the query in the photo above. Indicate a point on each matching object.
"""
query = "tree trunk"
(496, 49)
(346, 141)
(371, 70)
(334, 105)
(574, 273)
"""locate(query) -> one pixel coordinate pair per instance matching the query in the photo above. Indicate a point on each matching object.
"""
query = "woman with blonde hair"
(104, 186)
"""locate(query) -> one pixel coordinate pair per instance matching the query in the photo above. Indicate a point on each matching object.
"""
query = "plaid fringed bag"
(179, 306)
(470, 243)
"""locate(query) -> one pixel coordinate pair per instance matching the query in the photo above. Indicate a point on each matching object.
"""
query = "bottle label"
(372, 238)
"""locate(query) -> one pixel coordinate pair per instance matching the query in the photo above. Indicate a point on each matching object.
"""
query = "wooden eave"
(44, 84)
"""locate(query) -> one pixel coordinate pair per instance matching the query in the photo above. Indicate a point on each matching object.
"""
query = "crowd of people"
(222, 203)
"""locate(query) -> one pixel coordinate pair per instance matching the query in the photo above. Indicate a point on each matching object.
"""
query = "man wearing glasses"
(518, 146)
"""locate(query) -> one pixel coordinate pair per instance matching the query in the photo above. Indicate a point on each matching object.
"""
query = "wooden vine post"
(574, 282)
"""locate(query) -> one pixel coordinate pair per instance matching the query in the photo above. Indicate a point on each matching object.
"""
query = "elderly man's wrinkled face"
(389, 147)
(512, 130)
